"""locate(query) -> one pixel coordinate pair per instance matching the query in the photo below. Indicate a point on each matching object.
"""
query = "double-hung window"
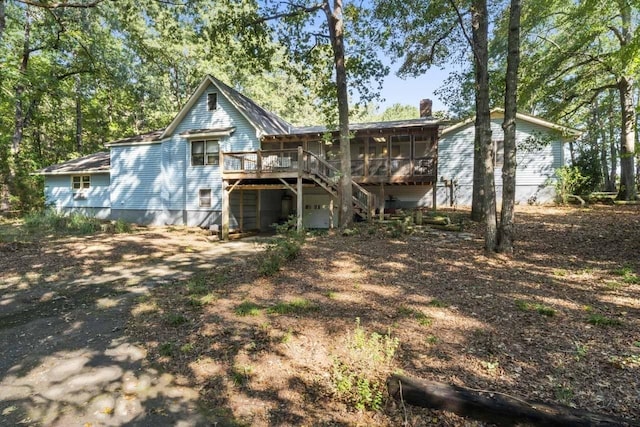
(205, 153)
(80, 182)
(205, 198)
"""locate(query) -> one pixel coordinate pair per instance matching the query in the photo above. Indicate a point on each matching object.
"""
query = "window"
(205, 153)
(498, 153)
(205, 197)
(401, 146)
(80, 182)
(424, 146)
(212, 101)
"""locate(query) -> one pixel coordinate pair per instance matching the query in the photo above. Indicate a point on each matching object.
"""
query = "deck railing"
(286, 160)
(261, 161)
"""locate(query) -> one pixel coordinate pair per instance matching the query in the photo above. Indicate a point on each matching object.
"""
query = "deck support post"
(434, 189)
(225, 210)
(381, 202)
(259, 210)
(241, 211)
(299, 190)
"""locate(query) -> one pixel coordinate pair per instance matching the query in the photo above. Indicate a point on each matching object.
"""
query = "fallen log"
(493, 407)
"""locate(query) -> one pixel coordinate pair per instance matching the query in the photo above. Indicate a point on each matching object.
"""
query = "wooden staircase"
(327, 176)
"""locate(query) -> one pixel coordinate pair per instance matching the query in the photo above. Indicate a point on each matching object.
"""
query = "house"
(226, 162)
(541, 149)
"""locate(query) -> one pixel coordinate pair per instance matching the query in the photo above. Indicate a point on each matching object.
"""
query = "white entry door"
(316, 211)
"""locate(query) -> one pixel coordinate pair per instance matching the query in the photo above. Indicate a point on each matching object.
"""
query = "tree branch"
(301, 10)
(59, 5)
(618, 34)
(462, 27)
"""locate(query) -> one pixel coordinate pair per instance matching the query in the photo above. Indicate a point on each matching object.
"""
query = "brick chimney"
(425, 107)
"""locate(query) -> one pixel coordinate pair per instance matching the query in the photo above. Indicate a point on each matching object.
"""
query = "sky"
(410, 91)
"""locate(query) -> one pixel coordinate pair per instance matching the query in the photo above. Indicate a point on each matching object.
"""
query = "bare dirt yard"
(313, 344)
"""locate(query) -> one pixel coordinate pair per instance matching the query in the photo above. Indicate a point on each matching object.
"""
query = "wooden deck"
(293, 163)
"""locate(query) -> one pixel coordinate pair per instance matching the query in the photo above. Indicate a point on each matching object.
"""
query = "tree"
(505, 231)
(305, 39)
(437, 34)
(579, 51)
(79, 73)
(480, 44)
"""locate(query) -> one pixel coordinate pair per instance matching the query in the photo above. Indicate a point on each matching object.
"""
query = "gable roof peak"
(265, 122)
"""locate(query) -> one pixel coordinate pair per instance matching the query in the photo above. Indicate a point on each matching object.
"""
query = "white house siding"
(94, 201)
(137, 183)
(534, 175)
(191, 179)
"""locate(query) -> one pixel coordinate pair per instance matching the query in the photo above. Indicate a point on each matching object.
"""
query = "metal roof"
(93, 163)
(396, 124)
(142, 138)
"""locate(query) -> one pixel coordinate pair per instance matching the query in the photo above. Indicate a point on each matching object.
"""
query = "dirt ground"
(65, 356)
(558, 322)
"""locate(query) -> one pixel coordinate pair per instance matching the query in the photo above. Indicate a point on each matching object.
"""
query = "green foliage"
(537, 307)
(418, 315)
(176, 319)
(358, 375)
(627, 275)
(570, 182)
(296, 306)
(51, 221)
(438, 303)
(122, 227)
(248, 308)
(286, 246)
(167, 349)
(600, 320)
(590, 167)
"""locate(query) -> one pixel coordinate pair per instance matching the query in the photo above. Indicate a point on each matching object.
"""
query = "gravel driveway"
(65, 357)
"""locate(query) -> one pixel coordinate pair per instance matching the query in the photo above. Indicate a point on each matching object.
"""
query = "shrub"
(286, 246)
(122, 227)
(570, 181)
(52, 221)
(358, 374)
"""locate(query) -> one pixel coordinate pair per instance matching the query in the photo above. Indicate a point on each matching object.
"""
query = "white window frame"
(208, 156)
(83, 182)
(200, 197)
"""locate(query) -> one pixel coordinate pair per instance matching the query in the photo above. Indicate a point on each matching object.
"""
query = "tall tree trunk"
(480, 35)
(600, 135)
(78, 114)
(19, 88)
(627, 189)
(19, 120)
(3, 19)
(505, 232)
(477, 197)
(336, 33)
(612, 147)
(627, 141)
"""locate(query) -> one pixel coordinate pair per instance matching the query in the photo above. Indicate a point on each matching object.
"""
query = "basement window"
(212, 101)
(205, 197)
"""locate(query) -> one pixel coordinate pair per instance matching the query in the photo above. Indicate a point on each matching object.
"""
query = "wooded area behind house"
(77, 74)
